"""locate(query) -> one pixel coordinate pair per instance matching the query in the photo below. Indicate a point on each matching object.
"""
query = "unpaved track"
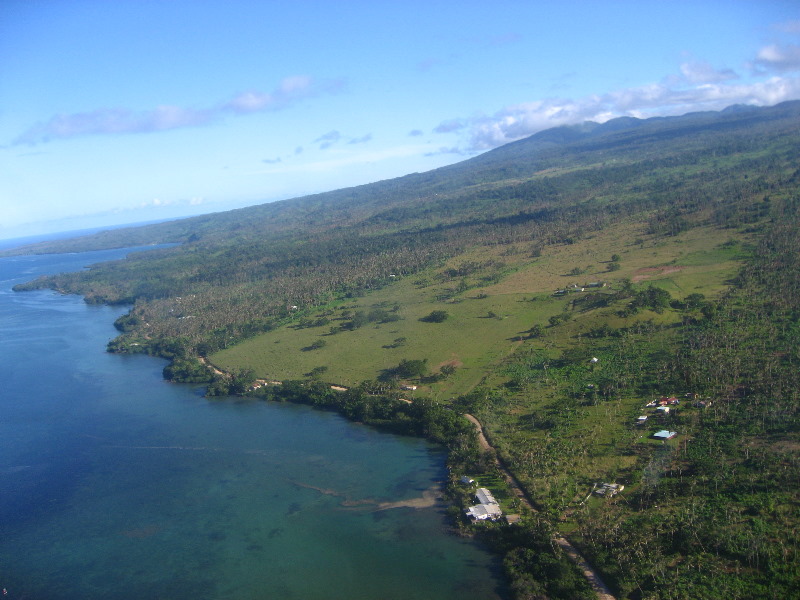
(600, 588)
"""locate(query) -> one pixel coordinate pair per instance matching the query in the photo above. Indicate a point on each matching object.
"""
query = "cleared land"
(488, 320)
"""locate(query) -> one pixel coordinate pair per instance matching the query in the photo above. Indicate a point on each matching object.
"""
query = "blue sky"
(132, 110)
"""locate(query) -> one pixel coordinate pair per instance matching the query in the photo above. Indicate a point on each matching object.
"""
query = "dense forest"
(563, 289)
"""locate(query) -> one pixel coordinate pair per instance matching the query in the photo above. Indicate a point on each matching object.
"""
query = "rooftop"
(484, 496)
(482, 512)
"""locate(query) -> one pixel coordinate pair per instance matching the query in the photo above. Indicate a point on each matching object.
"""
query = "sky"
(127, 111)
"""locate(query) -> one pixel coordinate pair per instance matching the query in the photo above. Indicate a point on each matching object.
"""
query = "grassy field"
(469, 339)
(490, 309)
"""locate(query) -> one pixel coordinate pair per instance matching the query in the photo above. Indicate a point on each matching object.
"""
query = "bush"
(653, 298)
(407, 369)
(187, 370)
(437, 316)
(317, 372)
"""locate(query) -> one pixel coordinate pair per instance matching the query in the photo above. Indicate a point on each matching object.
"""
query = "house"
(484, 512)
(702, 403)
(484, 496)
(641, 420)
(408, 387)
(467, 480)
(609, 489)
(663, 409)
(664, 434)
(487, 509)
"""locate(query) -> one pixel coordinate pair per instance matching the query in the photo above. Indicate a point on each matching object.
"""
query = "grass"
(472, 340)
(469, 340)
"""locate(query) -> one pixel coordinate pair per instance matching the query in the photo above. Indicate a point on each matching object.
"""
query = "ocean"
(115, 484)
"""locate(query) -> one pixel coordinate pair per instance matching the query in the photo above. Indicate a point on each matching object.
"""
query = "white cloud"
(250, 102)
(779, 58)
(450, 125)
(361, 140)
(161, 203)
(346, 160)
(703, 72)
(118, 121)
(327, 140)
(290, 89)
(114, 121)
(699, 86)
(154, 203)
(446, 150)
(333, 137)
(657, 99)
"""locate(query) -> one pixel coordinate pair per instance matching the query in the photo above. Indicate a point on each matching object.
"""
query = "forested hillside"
(565, 290)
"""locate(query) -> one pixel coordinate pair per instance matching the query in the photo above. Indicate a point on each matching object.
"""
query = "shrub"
(436, 316)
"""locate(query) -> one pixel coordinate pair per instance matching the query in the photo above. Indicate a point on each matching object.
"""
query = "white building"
(484, 496)
(484, 512)
(487, 509)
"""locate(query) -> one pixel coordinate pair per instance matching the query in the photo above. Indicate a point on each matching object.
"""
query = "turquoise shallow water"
(116, 484)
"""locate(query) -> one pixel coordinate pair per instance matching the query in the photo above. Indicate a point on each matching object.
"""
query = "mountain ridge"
(524, 156)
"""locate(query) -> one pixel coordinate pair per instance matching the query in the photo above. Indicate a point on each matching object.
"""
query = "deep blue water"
(116, 484)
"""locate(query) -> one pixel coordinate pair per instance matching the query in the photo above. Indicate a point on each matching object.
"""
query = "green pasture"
(488, 321)
(469, 339)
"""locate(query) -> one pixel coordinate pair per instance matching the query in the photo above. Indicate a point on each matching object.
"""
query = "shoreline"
(593, 578)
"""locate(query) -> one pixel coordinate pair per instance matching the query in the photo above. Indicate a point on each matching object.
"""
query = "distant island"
(617, 305)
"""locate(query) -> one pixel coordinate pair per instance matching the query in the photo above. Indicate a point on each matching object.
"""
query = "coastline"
(429, 497)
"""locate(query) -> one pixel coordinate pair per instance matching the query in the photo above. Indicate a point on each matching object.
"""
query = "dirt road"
(603, 593)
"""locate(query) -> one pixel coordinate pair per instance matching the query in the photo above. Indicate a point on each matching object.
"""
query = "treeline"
(422, 418)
